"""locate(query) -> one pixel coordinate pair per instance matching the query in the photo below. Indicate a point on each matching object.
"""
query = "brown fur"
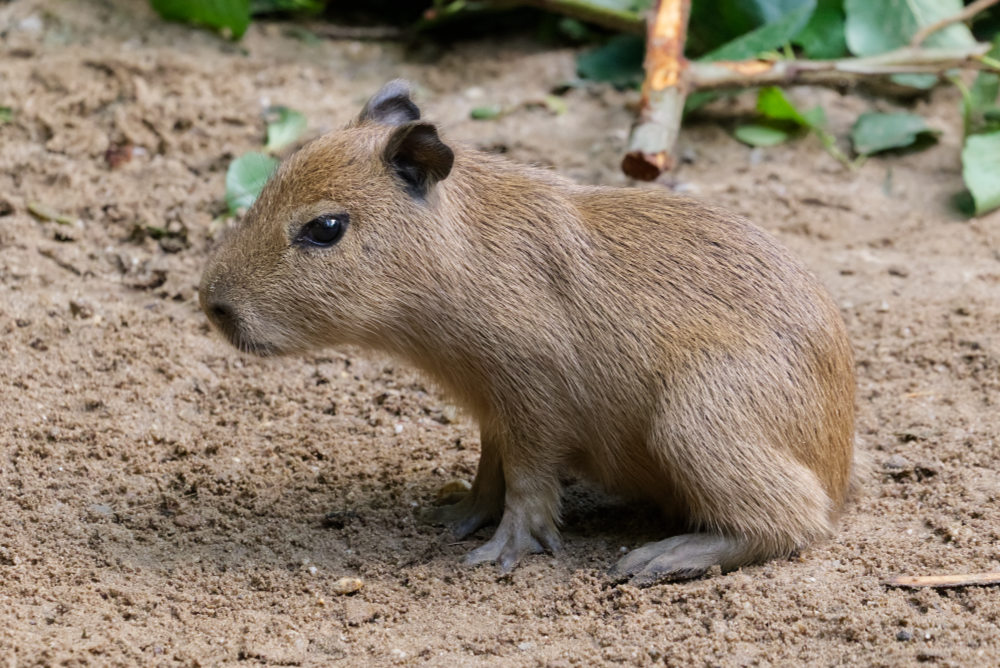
(662, 347)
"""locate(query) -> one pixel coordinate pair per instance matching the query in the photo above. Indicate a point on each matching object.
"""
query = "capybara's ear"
(418, 156)
(391, 105)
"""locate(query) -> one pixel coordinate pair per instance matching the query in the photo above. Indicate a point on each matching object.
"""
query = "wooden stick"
(962, 580)
(664, 91)
(835, 73)
(964, 15)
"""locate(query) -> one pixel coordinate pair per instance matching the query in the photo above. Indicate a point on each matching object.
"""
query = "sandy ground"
(166, 501)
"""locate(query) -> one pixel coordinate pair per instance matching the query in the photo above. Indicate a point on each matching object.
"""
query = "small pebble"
(904, 636)
(897, 462)
(188, 520)
(897, 270)
(101, 509)
(456, 486)
(348, 585)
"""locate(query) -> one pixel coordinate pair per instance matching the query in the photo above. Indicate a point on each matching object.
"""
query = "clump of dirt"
(166, 500)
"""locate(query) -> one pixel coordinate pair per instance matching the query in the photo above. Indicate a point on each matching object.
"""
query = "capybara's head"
(335, 243)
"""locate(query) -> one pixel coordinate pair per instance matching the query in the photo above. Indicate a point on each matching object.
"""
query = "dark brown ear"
(391, 105)
(418, 156)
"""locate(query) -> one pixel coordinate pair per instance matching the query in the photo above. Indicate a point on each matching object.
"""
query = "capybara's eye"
(325, 230)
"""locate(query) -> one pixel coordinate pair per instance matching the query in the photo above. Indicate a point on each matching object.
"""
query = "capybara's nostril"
(222, 313)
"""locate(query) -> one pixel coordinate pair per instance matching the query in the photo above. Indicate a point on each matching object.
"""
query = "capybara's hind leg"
(686, 556)
(747, 499)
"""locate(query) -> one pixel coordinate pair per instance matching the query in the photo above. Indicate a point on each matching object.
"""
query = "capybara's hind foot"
(682, 557)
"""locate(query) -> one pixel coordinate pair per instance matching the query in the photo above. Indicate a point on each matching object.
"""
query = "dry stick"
(963, 580)
(664, 91)
(964, 15)
(834, 73)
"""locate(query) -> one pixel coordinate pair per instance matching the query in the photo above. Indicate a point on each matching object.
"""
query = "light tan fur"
(659, 346)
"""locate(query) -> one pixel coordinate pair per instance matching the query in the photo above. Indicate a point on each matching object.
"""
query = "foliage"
(874, 132)
(981, 122)
(619, 62)
(230, 15)
(285, 128)
(877, 27)
(246, 177)
(739, 30)
(981, 168)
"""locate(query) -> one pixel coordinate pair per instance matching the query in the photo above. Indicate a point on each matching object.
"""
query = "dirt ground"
(166, 500)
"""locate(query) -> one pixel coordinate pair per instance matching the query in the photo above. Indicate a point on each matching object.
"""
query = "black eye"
(325, 230)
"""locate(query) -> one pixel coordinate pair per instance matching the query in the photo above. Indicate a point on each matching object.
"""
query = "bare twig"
(964, 15)
(960, 580)
(725, 74)
(664, 91)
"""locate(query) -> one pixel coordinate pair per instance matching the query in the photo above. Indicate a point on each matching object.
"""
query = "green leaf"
(769, 36)
(874, 132)
(246, 177)
(981, 170)
(715, 22)
(823, 37)
(487, 113)
(979, 102)
(984, 91)
(915, 80)
(287, 126)
(619, 62)
(877, 26)
(6, 115)
(233, 15)
(772, 104)
(778, 109)
(759, 134)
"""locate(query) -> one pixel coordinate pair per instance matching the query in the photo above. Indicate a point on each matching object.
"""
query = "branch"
(963, 580)
(833, 73)
(664, 91)
(964, 15)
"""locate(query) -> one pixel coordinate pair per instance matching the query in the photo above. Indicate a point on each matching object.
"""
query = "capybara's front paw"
(465, 517)
(519, 534)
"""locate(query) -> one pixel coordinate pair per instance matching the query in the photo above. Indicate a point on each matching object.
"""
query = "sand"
(167, 501)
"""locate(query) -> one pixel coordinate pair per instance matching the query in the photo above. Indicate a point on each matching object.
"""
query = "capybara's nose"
(221, 313)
